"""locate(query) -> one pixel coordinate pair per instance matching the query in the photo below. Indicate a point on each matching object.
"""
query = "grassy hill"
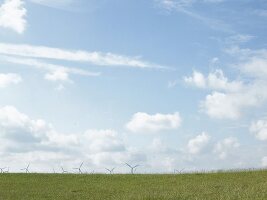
(232, 185)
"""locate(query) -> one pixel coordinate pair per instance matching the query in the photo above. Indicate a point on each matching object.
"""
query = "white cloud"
(20, 131)
(256, 66)
(215, 81)
(229, 99)
(96, 58)
(35, 140)
(145, 123)
(264, 161)
(237, 96)
(259, 128)
(197, 79)
(232, 105)
(55, 72)
(8, 79)
(57, 75)
(226, 146)
(12, 15)
(252, 63)
(222, 106)
(197, 144)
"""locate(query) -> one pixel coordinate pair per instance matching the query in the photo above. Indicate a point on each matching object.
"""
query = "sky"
(163, 84)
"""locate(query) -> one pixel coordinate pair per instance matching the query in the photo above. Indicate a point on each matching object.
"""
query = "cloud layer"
(96, 58)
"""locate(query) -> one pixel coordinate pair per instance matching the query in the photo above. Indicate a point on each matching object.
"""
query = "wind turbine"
(79, 168)
(110, 170)
(26, 169)
(7, 171)
(2, 170)
(179, 171)
(64, 171)
(133, 168)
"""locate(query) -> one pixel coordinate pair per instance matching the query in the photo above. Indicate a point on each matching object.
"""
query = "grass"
(224, 185)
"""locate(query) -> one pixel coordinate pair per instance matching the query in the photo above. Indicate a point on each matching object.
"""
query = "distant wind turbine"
(26, 169)
(64, 171)
(133, 168)
(110, 170)
(2, 170)
(179, 171)
(79, 168)
(7, 171)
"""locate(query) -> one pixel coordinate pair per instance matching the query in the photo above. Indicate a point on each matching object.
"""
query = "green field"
(233, 185)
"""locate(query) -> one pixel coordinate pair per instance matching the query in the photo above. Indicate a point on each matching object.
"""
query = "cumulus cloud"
(36, 140)
(8, 79)
(197, 79)
(256, 66)
(251, 62)
(227, 105)
(259, 128)
(226, 146)
(231, 103)
(20, 132)
(197, 144)
(96, 58)
(215, 80)
(229, 99)
(224, 106)
(145, 123)
(12, 15)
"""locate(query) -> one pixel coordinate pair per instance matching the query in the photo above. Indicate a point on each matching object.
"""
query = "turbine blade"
(128, 165)
(81, 165)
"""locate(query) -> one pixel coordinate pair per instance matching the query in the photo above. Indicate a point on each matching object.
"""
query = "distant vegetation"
(224, 185)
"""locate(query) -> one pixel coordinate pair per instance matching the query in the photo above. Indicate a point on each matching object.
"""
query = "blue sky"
(167, 84)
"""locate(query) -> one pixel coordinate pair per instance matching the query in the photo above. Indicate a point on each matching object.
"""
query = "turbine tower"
(133, 168)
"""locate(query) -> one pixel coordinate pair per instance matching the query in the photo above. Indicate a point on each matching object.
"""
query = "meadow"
(250, 185)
